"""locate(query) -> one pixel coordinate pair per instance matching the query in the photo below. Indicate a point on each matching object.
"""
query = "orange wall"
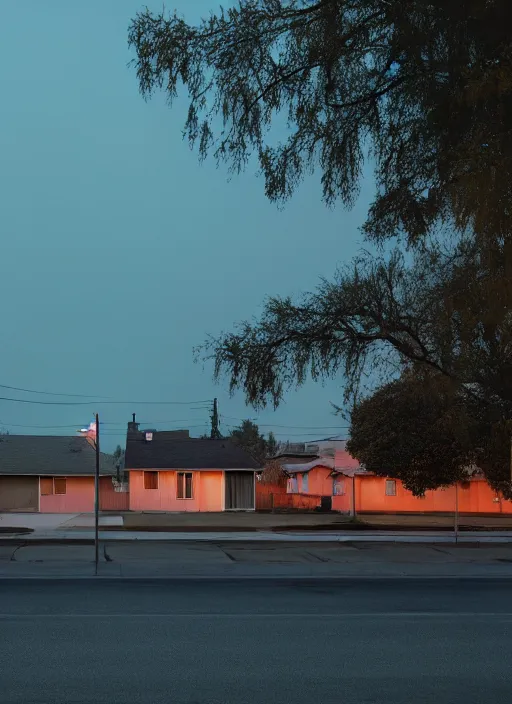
(208, 491)
(319, 482)
(474, 497)
(79, 497)
(344, 502)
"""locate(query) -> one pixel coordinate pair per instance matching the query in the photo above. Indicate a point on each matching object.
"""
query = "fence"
(114, 495)
(270, 501)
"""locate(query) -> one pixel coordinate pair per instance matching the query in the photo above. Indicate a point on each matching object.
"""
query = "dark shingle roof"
(166, 451)
(49, 455)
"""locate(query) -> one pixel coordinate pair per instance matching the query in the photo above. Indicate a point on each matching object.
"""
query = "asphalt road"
(370, 641)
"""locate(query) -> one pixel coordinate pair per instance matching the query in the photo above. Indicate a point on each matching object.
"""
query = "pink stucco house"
(320, 476)
(53, 474)
(170, 471)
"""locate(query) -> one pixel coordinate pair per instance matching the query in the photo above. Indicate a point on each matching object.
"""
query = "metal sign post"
(97, 497)
(456, 521)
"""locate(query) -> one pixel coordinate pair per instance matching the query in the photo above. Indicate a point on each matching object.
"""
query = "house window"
(59, 485)
(293, 485)
(184, 488)
(46, 486)
(150, 480)
(305, 483)
(338, 486)
(390, 487)
(52, 485)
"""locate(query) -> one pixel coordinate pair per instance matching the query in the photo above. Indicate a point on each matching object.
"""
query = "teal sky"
(120, 251)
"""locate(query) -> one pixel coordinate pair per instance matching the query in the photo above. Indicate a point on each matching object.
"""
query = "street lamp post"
(97, 497)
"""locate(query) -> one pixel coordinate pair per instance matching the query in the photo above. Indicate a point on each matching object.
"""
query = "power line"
(305, 427)
(306, 435)
(99, 402)
(81, 423)
(48, 427)
(123, 432)
(299, 427)
(302, 435)
(49, 393)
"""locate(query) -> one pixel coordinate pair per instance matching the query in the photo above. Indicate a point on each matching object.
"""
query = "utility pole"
(215, 431)
(97, 497)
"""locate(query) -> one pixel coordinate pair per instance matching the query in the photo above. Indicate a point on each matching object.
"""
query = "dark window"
(150, 480)
(390, 487)
(338, 486)
(184, 488)
(46, 486)
(59, 485)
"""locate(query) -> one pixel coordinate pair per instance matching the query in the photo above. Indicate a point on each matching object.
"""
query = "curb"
(262, 578)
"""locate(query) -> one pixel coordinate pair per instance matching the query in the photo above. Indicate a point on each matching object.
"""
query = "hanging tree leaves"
(423, 86)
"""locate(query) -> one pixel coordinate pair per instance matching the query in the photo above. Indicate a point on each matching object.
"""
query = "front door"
(19, 493)
(239, 491)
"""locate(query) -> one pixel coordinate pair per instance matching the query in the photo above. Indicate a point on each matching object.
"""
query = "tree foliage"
(429, 432)
(447, 312)
(424, 87)
(118, 459)
(415, 429)
(248, 436)
(446, 319)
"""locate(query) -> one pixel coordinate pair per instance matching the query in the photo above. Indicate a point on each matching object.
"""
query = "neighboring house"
(170, 471)
(313, 477)
(319, 476)
(356, 491)
(364, 492)
(51, 474)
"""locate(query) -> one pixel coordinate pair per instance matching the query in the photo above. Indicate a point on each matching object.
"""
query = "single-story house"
(364, 492)
(320, 475)
(355, 490)
(170, 471)
(52, 474)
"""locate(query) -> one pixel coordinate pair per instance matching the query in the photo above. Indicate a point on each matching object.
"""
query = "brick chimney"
(133, 426)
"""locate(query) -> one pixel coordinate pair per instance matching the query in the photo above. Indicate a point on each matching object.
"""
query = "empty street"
(274, 640)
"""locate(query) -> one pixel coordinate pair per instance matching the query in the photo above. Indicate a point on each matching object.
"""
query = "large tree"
(444, 319)
(419, 429)
(422, 87)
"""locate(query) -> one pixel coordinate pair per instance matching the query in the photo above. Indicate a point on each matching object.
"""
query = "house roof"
(352, 471)
(308, 466)
(50, 455)
(166, 451)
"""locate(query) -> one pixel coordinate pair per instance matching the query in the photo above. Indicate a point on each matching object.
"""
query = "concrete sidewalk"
(309, 536)
(225, 559)
(243, 523)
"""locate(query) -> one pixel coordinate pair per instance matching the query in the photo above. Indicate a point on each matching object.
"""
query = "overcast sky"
(120, 251)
